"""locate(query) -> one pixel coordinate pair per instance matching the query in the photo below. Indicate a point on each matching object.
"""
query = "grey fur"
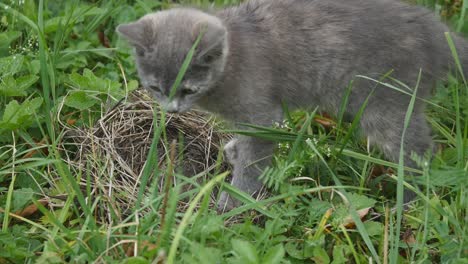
(303, 53)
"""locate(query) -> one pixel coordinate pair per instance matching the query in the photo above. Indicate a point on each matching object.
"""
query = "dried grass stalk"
(111, 155)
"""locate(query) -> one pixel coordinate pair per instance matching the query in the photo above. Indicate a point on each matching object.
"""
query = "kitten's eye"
(199, 68)
(139, 50)
(189, 91)
(209, 58)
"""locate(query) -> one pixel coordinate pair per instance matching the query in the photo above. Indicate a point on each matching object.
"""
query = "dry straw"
(110, 156)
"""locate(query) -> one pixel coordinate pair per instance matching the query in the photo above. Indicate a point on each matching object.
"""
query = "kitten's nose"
(173, 106)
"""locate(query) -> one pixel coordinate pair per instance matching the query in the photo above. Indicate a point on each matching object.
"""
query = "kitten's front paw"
(226, 203)
(230, 151)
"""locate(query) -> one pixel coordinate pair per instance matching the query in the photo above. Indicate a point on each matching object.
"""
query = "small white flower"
(328, 152)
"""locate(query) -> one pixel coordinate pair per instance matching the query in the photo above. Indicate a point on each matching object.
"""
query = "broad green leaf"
(30, 9)
(17, 87)
(201, 254)
(52, 24)
(136, 260)
(15, 244)
(90, 82)
(361, 201)
(34, 66)
(276, 226)
(274, 255)
(374, 228)
(211, 225)
(9, 88)
(80, 100)
(340, 253)
(296, 251)
(10, 65)
(132, 85)
(246, 251)
(22, 197)
(79, 81)
(24, 82)
(18, 115)
(6, 38)
(320, 256)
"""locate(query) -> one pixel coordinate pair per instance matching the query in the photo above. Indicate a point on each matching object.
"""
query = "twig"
(167, 186)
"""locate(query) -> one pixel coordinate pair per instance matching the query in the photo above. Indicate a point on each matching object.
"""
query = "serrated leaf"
(21, 197)
(211, 225)
(10, 65)
(361, 201)
(340, 253)
(132, 85)
(274, 255)
(52, 24)
(17, 87)
(9, 88)
(136, 260)
(246, 251)
(275, 227)
(90, 82)
(348, 222)
(296, 252)
(101, 85)
(29, 9)
(24, 82)
(79, 81)
(80, 100)
(34, 66)
(33, 104)
(20, 115)
(6, 38)
(320, 256)
(201, 254)
(374, 228)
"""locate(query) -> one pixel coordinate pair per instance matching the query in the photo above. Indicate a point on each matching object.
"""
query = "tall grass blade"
(188, 214)
(44, 71)
(300, 136)
(353, 212)
(151, 160)
(185, 65)
(401, 173)
(459, 135)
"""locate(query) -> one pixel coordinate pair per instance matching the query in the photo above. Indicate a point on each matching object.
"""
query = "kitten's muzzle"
(172, 111)
(174, 106)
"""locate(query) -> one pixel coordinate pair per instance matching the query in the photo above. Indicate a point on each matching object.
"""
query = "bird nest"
(111, 157)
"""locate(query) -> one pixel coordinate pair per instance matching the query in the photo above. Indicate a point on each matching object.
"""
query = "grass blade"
(188, 214)
(401, 172)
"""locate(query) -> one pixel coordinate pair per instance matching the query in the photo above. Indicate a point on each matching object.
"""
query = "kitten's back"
(318, 46)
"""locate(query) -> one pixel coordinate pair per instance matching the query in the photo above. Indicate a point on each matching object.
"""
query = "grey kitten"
(262, 53)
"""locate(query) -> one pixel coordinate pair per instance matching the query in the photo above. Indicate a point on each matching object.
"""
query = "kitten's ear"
(212, 42)
(135, 34)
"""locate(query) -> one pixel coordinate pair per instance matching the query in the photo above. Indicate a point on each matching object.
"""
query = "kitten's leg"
(230, 151)
(249, 157)
(386, 133)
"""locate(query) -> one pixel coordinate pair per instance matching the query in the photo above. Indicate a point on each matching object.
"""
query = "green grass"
(330, 203)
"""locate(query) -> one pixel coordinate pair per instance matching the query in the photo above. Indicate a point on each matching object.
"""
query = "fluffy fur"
(260, 54)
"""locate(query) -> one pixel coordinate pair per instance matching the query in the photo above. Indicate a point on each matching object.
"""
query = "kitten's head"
(162, 41)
